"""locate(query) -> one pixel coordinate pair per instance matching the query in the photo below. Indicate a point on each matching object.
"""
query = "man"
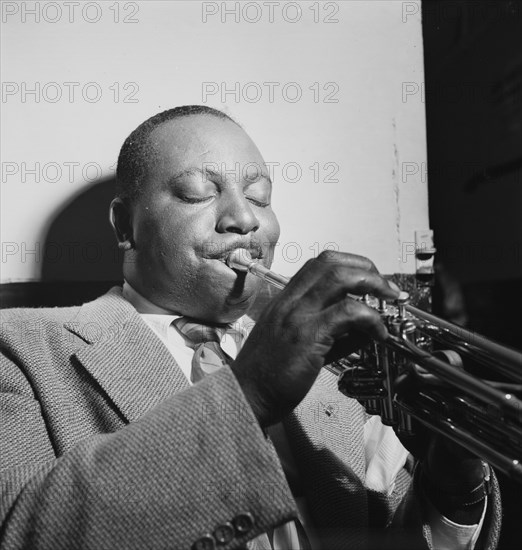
(115, 434)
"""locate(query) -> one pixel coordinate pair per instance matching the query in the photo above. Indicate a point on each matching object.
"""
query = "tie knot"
(198, 333)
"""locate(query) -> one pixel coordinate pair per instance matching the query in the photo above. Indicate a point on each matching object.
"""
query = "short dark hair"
(137, 151)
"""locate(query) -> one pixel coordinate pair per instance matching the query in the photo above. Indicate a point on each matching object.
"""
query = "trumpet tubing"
(482, 415)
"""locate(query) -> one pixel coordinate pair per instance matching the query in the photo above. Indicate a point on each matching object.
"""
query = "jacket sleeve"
(194, 469)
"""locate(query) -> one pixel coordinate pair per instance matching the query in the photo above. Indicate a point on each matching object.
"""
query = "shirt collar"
(162, 318)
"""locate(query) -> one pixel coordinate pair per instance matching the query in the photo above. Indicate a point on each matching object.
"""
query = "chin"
(221, 308)
(238, 308)
(231, 309)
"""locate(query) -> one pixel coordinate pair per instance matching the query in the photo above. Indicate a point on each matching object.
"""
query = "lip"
(255, 251)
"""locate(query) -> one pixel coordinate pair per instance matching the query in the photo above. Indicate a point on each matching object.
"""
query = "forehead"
(190, 142)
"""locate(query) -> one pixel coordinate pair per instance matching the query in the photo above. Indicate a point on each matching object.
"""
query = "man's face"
(207, 192)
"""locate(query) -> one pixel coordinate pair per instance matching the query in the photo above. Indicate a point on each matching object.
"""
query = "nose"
(236, 215)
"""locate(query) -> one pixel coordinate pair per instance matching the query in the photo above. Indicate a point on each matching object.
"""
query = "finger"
(394, 286)
(314, 270)
(348, 314)
(342, 264)
(348, 344)
(339, 281)
(346, 259)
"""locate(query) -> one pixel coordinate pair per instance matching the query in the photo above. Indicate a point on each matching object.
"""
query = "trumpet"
(482, 415)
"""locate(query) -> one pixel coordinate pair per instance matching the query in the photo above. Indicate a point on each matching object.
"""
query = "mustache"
(221, 251)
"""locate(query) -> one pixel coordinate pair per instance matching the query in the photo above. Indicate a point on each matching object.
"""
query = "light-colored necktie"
(205, 340)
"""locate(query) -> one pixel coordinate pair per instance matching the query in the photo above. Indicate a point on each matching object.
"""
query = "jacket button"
(243, 523)
(224, 533)
(206, 542)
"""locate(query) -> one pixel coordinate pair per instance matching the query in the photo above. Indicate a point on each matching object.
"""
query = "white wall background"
(167, 55)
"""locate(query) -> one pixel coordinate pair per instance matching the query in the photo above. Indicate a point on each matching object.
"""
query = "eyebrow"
(209, 173)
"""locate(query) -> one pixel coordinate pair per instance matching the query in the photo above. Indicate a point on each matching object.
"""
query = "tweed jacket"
(103, 445)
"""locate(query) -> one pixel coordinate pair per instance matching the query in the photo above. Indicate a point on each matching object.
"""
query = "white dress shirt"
(385, 455)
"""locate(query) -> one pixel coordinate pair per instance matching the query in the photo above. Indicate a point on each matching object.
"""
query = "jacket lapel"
(326, 433)
(326, 419)
(124, 356)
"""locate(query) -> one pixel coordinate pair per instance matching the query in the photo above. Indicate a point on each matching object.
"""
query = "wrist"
(461, 502)
(253, 396)
(452, 471)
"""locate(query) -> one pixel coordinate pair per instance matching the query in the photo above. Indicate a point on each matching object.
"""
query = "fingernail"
(394, 286)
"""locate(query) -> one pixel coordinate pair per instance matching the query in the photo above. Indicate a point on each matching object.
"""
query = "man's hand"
(287, 348)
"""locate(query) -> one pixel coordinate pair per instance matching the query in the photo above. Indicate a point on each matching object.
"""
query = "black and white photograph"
(261, 275)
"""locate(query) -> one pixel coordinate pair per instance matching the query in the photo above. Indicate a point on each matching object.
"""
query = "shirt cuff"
(448, 535)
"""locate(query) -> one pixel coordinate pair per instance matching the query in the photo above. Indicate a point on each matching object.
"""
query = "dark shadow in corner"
(80, 258)
(80, 243)
(80, 251)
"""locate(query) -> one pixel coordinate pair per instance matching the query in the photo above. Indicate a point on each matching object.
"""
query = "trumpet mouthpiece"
(239, 259)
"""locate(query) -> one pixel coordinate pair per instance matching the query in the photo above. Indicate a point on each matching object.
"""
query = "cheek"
(270, 235)
(158, 236)
(173, 239)
(270, 226)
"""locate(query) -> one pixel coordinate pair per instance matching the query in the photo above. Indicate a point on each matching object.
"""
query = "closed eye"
(261, 204)
(196, 200)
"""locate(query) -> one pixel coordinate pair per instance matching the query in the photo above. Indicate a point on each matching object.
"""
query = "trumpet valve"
(402, 301)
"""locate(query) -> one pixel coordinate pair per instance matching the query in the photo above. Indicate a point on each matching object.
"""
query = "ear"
(121, 220)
